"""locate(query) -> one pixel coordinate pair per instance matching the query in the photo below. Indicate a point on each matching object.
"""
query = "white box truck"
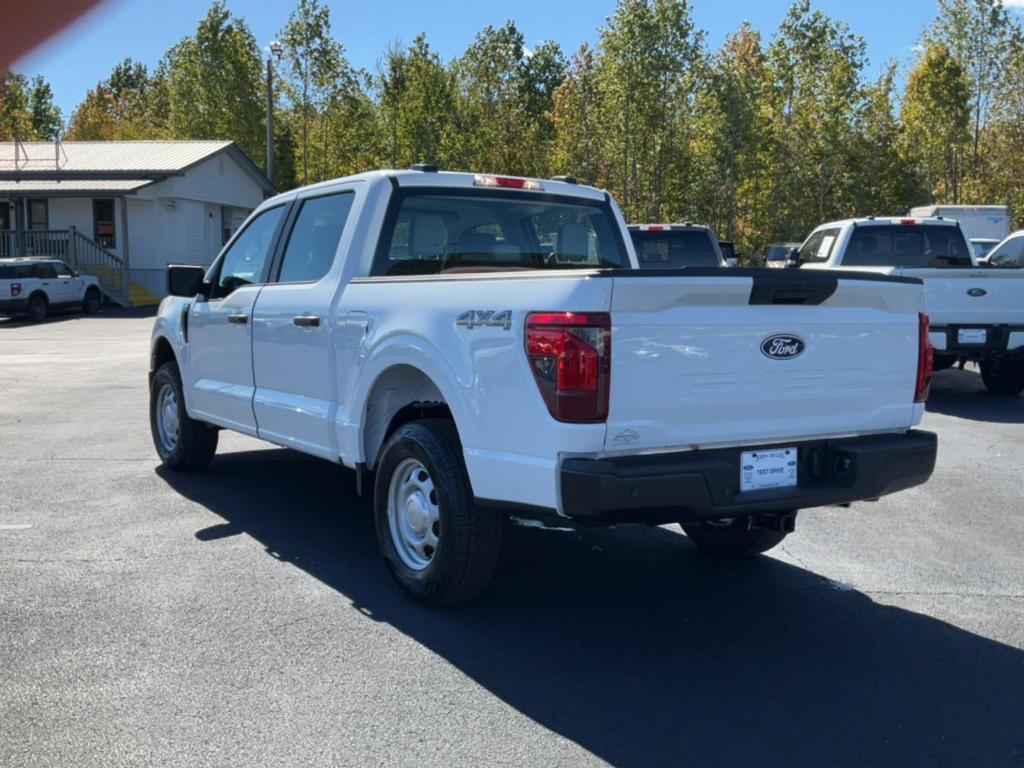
(989, 222)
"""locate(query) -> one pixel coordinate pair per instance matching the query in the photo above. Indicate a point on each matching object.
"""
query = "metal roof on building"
(122, 161)
(72, 186)
(46, 158)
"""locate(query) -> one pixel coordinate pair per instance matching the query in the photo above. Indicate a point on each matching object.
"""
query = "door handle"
(239, 319)
(307, 321)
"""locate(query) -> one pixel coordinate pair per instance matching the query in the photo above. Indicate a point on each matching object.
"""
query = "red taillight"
(570, 355)
(15, 289)
(925, 361)
(507, 182)
(908, 221)
(654, 228)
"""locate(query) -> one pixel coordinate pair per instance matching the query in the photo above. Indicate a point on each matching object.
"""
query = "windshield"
(777, 252)
(907, 245)
(675, 249)
(434, 231)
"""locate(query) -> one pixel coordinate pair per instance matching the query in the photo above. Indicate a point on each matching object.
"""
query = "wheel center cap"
(416, 513)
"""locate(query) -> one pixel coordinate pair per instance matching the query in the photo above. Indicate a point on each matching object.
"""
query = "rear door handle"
(306, 321)
(238, 319)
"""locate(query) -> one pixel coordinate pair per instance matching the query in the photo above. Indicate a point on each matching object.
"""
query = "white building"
(124, 210)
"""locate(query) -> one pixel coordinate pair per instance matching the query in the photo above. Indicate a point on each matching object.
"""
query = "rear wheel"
(437, 544)
(181, 441)
(37, 308)
(733, 537)
(1004, 376)
(91, 302)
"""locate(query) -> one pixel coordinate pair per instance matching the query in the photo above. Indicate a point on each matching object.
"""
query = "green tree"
(316, 73)
(816, 65)
(883, 182)
(977, 34)
(576, 118)
(730, 126)
(649, 52)
(936, 119)
(211, 84)
(27, 111)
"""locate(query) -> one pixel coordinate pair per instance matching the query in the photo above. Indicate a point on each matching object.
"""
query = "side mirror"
(185, 280)
(793, 257)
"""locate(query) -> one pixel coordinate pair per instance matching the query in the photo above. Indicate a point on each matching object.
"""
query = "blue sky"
(143, 29)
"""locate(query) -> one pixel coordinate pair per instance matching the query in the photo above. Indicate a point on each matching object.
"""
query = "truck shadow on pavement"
(962, 394)
(629, 644)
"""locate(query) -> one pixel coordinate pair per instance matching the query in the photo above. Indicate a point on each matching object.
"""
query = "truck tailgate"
(973, 296)
(718, 359)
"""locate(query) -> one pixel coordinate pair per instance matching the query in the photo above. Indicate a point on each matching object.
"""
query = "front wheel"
(1004, 376)
(181, 441)
(732, 537)
(437, 544)
(91, 302)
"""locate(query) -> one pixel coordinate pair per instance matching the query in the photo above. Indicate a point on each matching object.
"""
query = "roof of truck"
(456, 180)
(890, 220)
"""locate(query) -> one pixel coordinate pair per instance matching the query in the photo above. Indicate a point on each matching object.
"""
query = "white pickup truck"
(486, 345)
(976, 313)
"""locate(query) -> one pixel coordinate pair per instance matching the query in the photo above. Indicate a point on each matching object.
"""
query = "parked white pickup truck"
(976, 313)
(486, 344)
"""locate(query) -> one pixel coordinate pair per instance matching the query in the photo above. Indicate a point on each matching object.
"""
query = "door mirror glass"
(185, 280)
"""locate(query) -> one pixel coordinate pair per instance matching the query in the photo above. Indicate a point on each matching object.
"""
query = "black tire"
(1004, 376)
(468, 539)
(91, 302)
(196, 441)
(37, 308)
(736, 537)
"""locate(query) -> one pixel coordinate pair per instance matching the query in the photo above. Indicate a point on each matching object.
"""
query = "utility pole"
(275, 52)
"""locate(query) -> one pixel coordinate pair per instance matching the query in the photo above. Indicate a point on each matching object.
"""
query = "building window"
(103, 223)
(38, 214)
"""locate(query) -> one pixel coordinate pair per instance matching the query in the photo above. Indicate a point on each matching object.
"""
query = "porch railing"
(80, 252)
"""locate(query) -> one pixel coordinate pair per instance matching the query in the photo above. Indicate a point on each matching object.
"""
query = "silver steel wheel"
(167, 421)
(413, 514)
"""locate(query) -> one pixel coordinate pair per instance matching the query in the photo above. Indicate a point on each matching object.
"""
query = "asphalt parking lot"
(242, 617)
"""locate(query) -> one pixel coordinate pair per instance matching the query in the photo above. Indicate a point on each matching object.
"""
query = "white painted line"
(15, 526)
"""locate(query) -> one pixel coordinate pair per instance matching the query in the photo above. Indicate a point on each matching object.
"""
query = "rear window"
(14, 271)
(435, 231)
(675, 249)
(907, 245)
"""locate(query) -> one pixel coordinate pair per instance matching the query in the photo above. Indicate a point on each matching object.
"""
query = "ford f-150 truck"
(976, 313)
(485, 345)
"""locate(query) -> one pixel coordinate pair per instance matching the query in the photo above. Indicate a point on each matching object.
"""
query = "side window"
(44, 271)
(819, 245)
(63, 270)
(244, 261)
(314, 238)
(1009, 254)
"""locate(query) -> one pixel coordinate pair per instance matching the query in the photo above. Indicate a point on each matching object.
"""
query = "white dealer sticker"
(767, 469)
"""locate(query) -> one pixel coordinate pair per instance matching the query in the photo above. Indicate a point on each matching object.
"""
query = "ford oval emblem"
(783, 346)
(976, 292)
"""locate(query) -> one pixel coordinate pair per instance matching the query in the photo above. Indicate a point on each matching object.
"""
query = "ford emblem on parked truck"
(783, 346)
(976, 292)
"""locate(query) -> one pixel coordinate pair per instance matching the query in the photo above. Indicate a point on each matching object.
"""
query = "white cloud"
(1018, 4)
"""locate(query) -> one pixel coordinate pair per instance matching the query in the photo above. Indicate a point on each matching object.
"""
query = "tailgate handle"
(792, 290)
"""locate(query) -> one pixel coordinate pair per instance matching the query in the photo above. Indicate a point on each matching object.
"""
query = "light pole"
(276, 49)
